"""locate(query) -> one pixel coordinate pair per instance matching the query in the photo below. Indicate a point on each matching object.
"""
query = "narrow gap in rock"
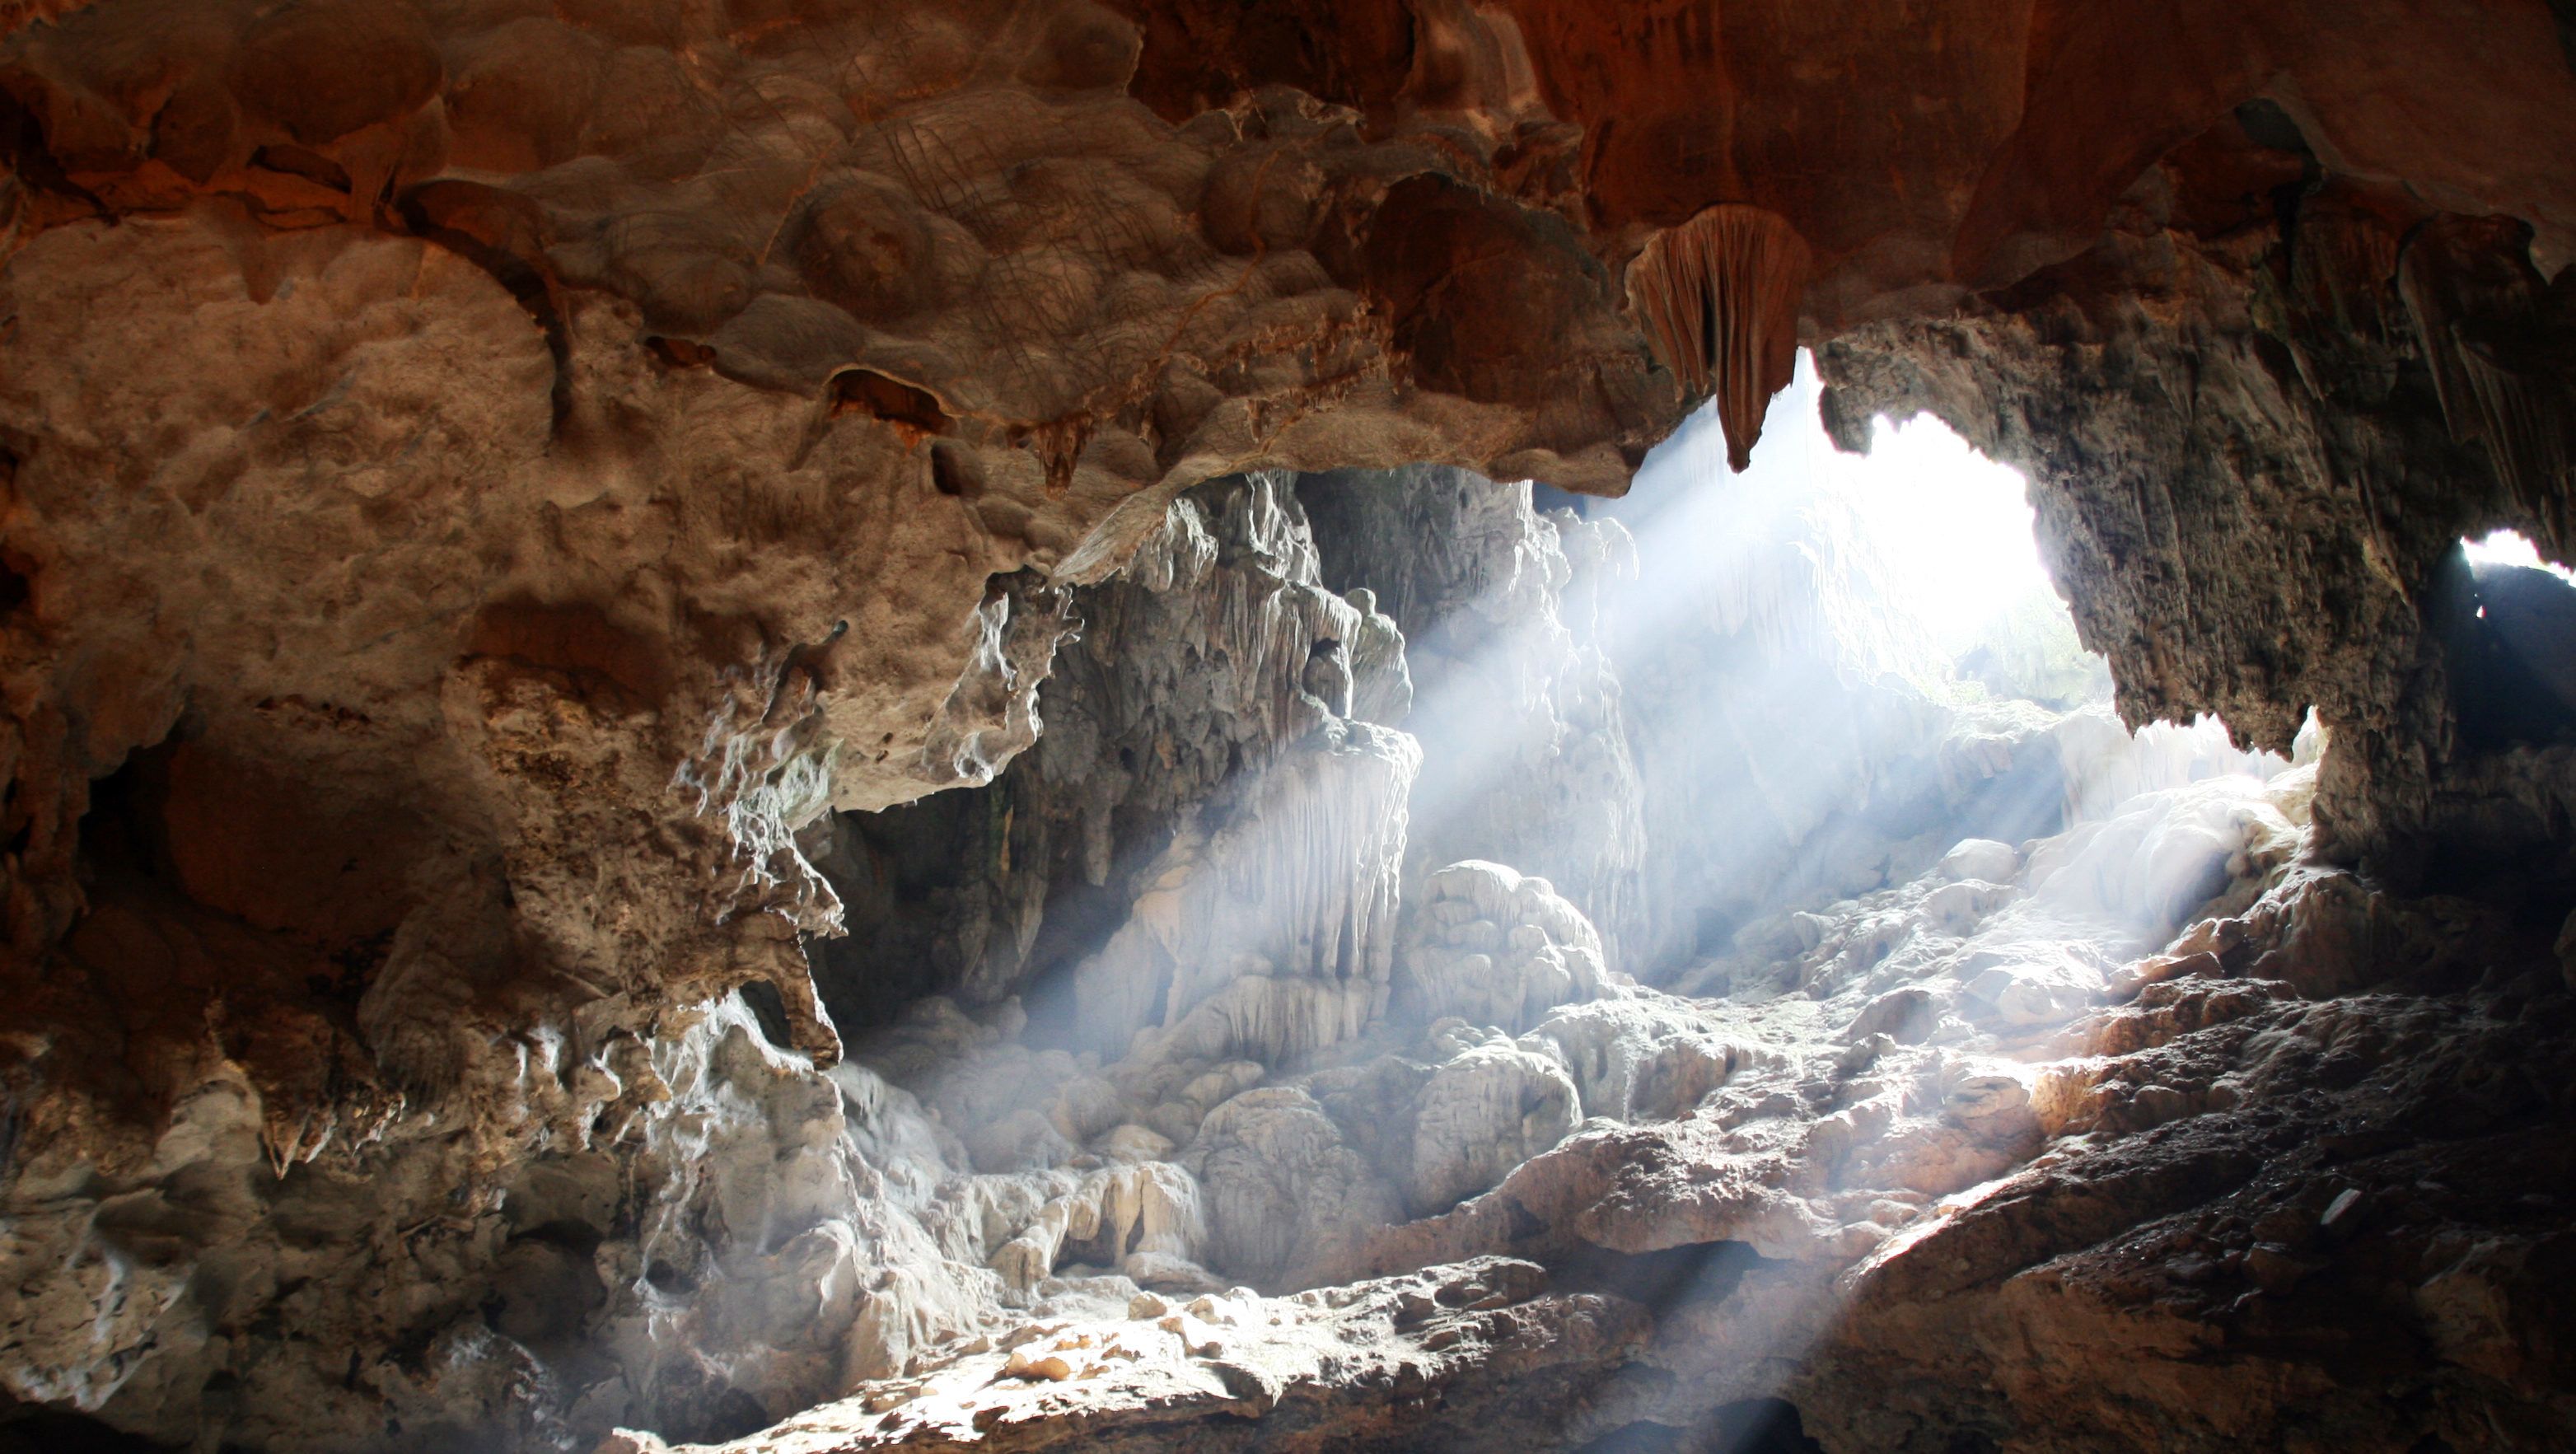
(2510, 618)
(26, 1430)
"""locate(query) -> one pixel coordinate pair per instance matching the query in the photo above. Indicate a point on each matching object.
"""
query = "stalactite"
(1296, 891)
(1719, 296)
(2498, 365)
(2342, 258)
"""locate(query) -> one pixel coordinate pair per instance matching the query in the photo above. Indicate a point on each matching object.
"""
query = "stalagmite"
(1492, 1106)
(1497, 948)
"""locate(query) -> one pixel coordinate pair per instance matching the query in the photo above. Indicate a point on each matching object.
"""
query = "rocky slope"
(494, 495)
(2014, 1153)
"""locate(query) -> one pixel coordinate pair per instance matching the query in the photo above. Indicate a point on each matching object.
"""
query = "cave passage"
(2511, 621)
(1396, 837)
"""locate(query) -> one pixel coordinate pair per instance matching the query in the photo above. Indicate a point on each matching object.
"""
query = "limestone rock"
(1493, 947)
(1489, 1109)
(1529, 762)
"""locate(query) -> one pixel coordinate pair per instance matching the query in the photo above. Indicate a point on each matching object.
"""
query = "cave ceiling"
(675, 334)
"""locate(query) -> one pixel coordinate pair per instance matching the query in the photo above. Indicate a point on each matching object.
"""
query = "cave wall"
(2256, 449)
(1181, 681)
(1531, 762)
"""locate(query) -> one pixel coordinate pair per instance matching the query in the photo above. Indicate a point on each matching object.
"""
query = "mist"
(1392, 838)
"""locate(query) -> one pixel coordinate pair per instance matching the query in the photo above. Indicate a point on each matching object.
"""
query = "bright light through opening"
(2506, 547)
(1954, 527)
(1919, 556)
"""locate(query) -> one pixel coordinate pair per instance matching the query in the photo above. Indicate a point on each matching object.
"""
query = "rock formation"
(1532, 765)
(813, 724)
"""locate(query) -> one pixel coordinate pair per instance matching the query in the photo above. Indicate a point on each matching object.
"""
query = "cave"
(799, 726)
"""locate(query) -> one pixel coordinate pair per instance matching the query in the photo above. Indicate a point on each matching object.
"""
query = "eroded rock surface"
(2141, 1107)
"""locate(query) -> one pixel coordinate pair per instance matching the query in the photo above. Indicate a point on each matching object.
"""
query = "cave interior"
(1719, 726)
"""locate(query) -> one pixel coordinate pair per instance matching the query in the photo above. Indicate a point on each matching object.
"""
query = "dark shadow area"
(2505, 639)
(769, 1010)
(1660, 1280)
(1760, 1426)
(864, 391)
(2509, 638)
(25, 1429)
(123, 833)
(1642, 1437)
(1749, 1426)
(934, 893)
(908, 877)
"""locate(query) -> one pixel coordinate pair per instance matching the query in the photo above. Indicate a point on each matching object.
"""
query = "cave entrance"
(1855, 660)
(1263, 947)
(1954, 545)
(2507, 617)
(1920, 556)
(2512, 548)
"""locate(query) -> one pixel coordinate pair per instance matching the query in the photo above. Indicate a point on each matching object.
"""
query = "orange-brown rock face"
(481, 480)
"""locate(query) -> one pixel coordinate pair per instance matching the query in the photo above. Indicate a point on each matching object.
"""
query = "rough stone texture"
(2279, 1223)
(1993, 1175)
(1531, 763)
(1377, 1365)
(2250, 470)
(489, 488)
(1493, 947)
(1184, 683)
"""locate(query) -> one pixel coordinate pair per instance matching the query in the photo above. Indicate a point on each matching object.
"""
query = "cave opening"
(1393, 832)
(2509, 619)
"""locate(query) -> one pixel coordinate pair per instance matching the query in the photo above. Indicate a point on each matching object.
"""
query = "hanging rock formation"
(1272, 935)
(1533, 766)
(1719, 296)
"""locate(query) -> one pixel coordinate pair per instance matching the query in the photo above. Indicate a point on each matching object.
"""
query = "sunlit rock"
(1288, 1200)
(1527, 760)
(1492, 947)
(1490, 1107)
(1273, 933)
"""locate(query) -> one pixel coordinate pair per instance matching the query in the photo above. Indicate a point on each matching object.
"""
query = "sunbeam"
(1401, 857)
(2509, 547)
